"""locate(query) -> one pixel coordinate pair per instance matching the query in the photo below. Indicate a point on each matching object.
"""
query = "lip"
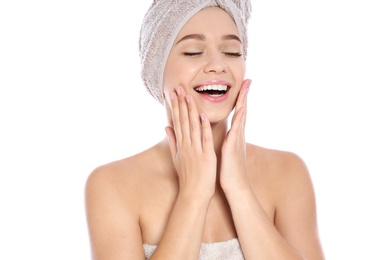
(214, 82)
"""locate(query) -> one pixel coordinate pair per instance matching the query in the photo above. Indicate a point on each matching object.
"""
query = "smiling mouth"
(212, 90)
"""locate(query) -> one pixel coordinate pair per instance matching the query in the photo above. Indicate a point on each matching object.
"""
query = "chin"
(218, 116)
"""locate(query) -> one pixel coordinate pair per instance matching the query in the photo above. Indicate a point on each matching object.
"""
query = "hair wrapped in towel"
(162, 23)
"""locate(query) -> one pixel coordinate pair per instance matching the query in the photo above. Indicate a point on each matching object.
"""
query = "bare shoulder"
(120, 174)
(129, 173)
(113, 198)
(289, 186)
(282, 175)
(283, 165)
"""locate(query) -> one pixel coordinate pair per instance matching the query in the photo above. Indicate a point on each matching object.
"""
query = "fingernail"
(248, 87)
(202, 116)
(172, 95)
(178, 91)
(188, 99)
(249, 83)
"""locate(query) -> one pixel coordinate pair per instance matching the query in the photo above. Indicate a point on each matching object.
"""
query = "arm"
(183, 234)
(190, 142)
(113, 208)
(296, 213)
(113, 225)
(293, 233)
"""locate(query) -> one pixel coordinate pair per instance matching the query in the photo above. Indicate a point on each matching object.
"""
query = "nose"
(215, 64)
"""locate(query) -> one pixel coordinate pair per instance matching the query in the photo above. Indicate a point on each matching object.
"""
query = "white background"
(71, 99)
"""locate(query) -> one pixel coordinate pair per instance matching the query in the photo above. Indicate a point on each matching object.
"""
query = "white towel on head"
(163, 21)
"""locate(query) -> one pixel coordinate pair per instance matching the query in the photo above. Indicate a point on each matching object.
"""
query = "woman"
(202, 192)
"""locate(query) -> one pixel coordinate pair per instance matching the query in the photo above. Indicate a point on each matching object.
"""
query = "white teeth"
(212, 87)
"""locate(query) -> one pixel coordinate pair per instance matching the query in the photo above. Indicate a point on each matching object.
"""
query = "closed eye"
(233, 54)
(192, 53)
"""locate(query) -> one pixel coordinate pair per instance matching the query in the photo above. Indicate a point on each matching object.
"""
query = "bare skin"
(203, 182)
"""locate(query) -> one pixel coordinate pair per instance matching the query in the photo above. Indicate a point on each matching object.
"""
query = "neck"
(219, 134)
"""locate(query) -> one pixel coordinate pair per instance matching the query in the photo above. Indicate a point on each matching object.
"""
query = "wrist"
(235, 190)
(234, 185)
(195, 198)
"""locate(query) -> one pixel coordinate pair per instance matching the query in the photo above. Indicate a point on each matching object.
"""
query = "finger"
(246, 103)
(237, 126)
(244, 117)
(183, 114)
(171, 140)
(242, 96)
(176, 116)
(194, 121)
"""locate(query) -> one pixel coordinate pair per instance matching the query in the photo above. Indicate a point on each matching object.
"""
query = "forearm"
(258, 236)
(184, 232)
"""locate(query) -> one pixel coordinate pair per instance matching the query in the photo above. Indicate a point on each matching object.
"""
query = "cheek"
(240, 70)
(171, 76)
(168, 110)
(179, 73)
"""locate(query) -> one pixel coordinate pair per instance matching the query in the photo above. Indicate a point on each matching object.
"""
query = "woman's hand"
(233, 165)
(191, 145)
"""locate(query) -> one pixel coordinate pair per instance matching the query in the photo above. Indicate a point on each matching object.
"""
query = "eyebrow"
(231, 37)
(199, 37)
(202, 37)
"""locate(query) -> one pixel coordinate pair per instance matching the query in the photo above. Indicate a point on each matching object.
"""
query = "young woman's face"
(206, 60)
